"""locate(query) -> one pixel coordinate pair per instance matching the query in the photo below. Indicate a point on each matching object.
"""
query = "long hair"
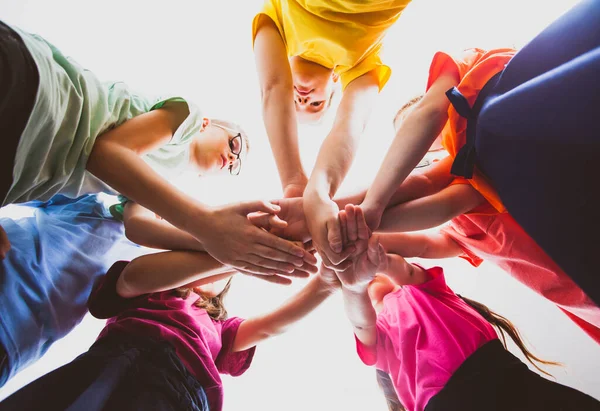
(503, 325)
(389, 392)
(213, 305)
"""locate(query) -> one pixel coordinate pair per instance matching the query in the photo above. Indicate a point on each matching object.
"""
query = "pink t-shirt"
(424, 333)
(203, 344)
(499, 239)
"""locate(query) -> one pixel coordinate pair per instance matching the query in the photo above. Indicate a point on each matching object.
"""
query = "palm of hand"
(292, 212)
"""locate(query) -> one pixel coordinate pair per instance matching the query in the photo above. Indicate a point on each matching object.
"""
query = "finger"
(280, 267)
(248, 207)
(308, 268)
(352, 227)
(334, 235)
(280, 245)
(246, 267)
(343, 222)
(362, 230)
(267, 221)
(276, 255)
(276, 279)
(373, 252)
(382, 259)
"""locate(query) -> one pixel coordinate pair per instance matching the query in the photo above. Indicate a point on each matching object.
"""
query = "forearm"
(165, 271)
(279, 117)
(410, 145)
(127, 173)
(416, 185)
(257, 329)
(421, 245)
(339, 148)
(155, 233)
(361, 314)
(431, 211)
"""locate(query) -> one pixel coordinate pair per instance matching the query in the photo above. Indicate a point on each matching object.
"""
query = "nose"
(302, 100)
(231, 158)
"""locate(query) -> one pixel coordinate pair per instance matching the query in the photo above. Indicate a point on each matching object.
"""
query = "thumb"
(334, 235)
(248, 207)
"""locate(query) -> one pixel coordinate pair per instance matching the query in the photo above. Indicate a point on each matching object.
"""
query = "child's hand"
(329, 278)
(354, 228)
(366, 265)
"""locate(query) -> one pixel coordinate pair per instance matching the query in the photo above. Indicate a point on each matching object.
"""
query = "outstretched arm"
(420, 245)
(224, 232)
(255, 330)
(431, 211)
(144, 228)
(413, 138)
(279, 114)
(167, 270)
(333, 162)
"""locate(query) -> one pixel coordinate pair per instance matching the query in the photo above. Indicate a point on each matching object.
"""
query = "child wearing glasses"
(302, 49)
(66, 132)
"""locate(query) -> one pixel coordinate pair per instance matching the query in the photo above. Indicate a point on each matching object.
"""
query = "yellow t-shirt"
(345, 35)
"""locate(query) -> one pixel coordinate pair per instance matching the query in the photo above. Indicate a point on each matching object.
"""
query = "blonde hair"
(233, 128)
(213, 305)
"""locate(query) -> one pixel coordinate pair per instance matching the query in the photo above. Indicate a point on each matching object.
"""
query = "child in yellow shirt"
(302, 48)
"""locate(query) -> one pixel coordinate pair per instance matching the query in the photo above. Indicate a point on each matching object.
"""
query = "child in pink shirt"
(440, 350)
(167, 338)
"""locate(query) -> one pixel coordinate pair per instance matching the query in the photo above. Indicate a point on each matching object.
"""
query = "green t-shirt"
(72, 108)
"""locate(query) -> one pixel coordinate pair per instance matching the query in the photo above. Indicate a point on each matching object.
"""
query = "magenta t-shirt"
(203, 344)
(424, 333)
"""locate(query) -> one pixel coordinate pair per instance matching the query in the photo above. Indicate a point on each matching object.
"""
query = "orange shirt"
(474, 68)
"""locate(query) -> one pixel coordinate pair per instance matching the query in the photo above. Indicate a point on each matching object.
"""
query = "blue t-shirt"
(45, 280)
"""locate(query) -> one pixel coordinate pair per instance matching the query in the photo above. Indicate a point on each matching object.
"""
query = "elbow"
(126, 288)
(276, 88)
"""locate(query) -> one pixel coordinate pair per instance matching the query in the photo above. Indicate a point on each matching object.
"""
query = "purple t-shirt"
(203, 344)
(424, 333)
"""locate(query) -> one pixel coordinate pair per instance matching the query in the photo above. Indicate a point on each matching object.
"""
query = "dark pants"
(117, 373)
(492, 379)
(538, 141)
(19, 80)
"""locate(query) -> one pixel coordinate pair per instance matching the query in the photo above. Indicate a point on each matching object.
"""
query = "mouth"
(224, 161)
(303, 91)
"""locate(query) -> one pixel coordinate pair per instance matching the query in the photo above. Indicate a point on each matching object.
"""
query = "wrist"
(198, 215)
(357, 289)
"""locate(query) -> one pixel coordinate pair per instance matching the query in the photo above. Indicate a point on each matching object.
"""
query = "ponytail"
(389, 392)
(506, 327)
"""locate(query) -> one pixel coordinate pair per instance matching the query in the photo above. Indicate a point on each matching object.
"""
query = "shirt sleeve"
(374, 355)
(189, 127)
(104, 302)
(229, 362)
(445, 63)
(370, 63)
(269, 11)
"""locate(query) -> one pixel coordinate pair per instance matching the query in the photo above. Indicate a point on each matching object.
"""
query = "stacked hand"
(369, 256)
(231, 237)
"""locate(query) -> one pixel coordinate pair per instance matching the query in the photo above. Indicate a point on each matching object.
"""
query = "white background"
(203, 49)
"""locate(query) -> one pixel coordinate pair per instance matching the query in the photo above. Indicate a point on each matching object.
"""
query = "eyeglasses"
(236, 167)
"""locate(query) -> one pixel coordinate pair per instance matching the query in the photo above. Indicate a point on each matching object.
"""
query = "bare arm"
(224, 231)
(416, 185)
(279, 114)
(431, 211)
(255, 330)
(166, 271)
(361, 314)
(421, 245)
(414, 137)
(337, 152)
(144, 228)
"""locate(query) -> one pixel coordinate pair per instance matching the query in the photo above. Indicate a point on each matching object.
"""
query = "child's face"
(217, 150)
(379, 287)
(313, 88)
